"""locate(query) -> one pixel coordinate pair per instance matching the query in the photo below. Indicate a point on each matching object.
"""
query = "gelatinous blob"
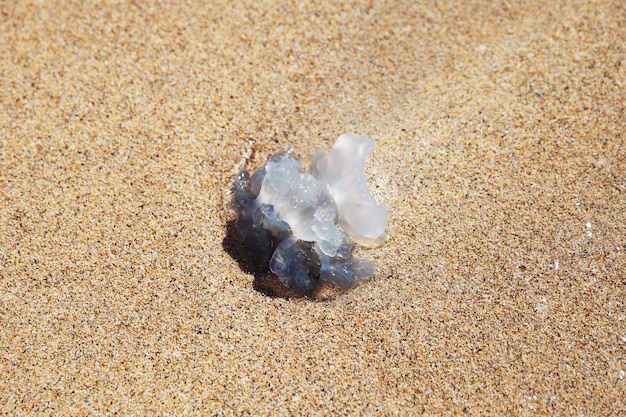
(345, 274)
(305, 221)
(297, 265)
(341, 170)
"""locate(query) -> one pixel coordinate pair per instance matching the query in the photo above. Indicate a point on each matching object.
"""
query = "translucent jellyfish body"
(306, 222)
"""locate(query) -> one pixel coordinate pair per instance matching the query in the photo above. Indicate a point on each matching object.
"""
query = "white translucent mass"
(341, 170)
(306, 220)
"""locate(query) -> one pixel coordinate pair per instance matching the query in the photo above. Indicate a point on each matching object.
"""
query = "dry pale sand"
(500, 152)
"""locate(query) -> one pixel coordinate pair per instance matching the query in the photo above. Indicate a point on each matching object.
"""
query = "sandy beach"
(500, 153)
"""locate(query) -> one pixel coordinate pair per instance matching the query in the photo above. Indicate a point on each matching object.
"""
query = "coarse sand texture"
(500, 156)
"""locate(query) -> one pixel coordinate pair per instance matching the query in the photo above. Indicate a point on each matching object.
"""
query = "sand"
(501, 155)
